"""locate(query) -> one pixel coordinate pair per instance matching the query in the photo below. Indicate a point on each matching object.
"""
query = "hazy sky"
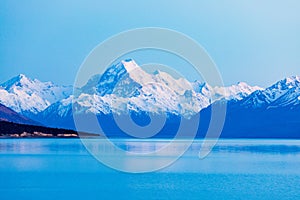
(253, 41)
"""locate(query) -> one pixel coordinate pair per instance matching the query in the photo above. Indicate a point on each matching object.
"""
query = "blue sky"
(253, 41)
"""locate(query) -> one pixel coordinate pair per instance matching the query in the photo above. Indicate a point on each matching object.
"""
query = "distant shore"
(14, 130)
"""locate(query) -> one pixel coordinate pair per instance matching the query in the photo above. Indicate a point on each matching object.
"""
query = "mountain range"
(31, 96)
(126, 89)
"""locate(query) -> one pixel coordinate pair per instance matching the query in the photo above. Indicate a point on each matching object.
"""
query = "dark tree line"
(9, 128)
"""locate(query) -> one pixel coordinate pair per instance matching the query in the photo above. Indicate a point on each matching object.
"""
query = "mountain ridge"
(8, 115)
(30, 96)
(126, 89)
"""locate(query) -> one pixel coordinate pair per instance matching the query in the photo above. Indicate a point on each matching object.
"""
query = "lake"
(235, 169)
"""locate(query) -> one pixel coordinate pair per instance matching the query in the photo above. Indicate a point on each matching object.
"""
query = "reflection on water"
(251, 156)
(74, 146)
(41, 146)
(267, 149)
(233, 155)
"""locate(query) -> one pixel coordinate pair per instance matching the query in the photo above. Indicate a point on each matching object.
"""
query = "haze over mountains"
(125, 88)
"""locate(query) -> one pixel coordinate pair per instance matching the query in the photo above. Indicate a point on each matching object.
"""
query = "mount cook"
(125, 88)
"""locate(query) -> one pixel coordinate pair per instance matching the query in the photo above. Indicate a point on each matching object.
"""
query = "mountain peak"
(128, 64)
(23, 94)
(21, 76)
(125, 73)
(282, 93)
(18, 80)
(242, 84)
(287, 83)
(248, 87)
(293, 79)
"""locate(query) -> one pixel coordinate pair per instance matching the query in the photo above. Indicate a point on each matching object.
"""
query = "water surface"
(235, 169)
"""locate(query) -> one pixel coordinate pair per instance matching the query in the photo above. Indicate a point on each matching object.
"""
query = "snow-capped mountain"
(270, 113)
(28, 96)
(126, 78)
(282, 94)
(127, 87)
(121, 75)
(122, 88)
(233, 92)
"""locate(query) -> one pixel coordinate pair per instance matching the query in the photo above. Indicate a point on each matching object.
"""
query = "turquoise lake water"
(235, 169)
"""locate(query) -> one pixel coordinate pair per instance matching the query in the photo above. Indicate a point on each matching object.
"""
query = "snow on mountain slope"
(119, 74)
(25, 95)
(290, 98)
(126, 78)
(290, 90)
(233, 92)
(122, 88)
(238, 91)
(126, 87)
(281, 94)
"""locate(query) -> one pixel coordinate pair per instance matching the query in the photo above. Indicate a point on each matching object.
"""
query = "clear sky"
(253, 41)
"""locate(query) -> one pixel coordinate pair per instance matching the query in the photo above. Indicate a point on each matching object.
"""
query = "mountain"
(270, 113)
(125, 88)
(233, 92)
(15, 125)
(8, 115)
(28, 97)
(284, 93)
